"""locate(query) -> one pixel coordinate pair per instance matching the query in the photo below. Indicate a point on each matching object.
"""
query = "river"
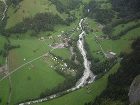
(88, 76)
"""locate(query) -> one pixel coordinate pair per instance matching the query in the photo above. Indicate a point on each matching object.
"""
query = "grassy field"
(29, 49)
(132, 35)
(28, 9)
(4, 91)
(121, 27)
(64, 53)
(123, 44)
(83, 95)
(32, 80)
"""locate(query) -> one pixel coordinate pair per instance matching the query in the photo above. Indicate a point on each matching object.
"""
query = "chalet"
(110, 55)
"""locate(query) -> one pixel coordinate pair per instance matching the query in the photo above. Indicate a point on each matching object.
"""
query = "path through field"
(25, 65)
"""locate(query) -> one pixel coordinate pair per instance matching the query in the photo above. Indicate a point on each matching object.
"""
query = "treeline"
(6, 48)
(118, 84)
(94, 10)
(71, 18)
(2, 23)
(70, 5)
(4, 51)
(15, 2)
(125, 31)
(40, 22)
(108, 29)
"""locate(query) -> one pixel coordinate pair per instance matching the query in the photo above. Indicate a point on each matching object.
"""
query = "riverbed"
(87, 77)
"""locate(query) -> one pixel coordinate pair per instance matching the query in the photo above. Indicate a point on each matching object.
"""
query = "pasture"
(29, 81)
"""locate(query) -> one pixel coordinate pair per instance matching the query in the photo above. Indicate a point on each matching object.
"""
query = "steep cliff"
(134, 92)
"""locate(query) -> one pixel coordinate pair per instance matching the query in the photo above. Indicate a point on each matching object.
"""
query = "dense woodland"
(127, 8)
(1, 8)
(70, 5)
(95, 10)
(41, 22)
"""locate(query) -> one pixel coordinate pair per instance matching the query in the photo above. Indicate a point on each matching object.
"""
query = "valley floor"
(43, 64)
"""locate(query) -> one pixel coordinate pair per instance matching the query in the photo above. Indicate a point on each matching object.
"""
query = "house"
(110, 55)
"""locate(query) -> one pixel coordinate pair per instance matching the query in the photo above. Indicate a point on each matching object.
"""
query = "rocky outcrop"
(134, 92)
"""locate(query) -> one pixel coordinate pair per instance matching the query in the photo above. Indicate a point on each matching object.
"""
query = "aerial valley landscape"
(69, 52)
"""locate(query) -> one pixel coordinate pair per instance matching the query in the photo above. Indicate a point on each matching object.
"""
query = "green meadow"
(64, 53)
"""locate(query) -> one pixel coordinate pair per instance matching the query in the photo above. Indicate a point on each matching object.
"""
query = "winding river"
(88, 76)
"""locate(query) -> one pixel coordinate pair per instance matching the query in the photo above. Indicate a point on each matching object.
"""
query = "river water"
(88, 76)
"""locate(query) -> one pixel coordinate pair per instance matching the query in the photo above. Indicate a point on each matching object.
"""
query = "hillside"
(135, 90)
(27, 9)
(68, 52)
